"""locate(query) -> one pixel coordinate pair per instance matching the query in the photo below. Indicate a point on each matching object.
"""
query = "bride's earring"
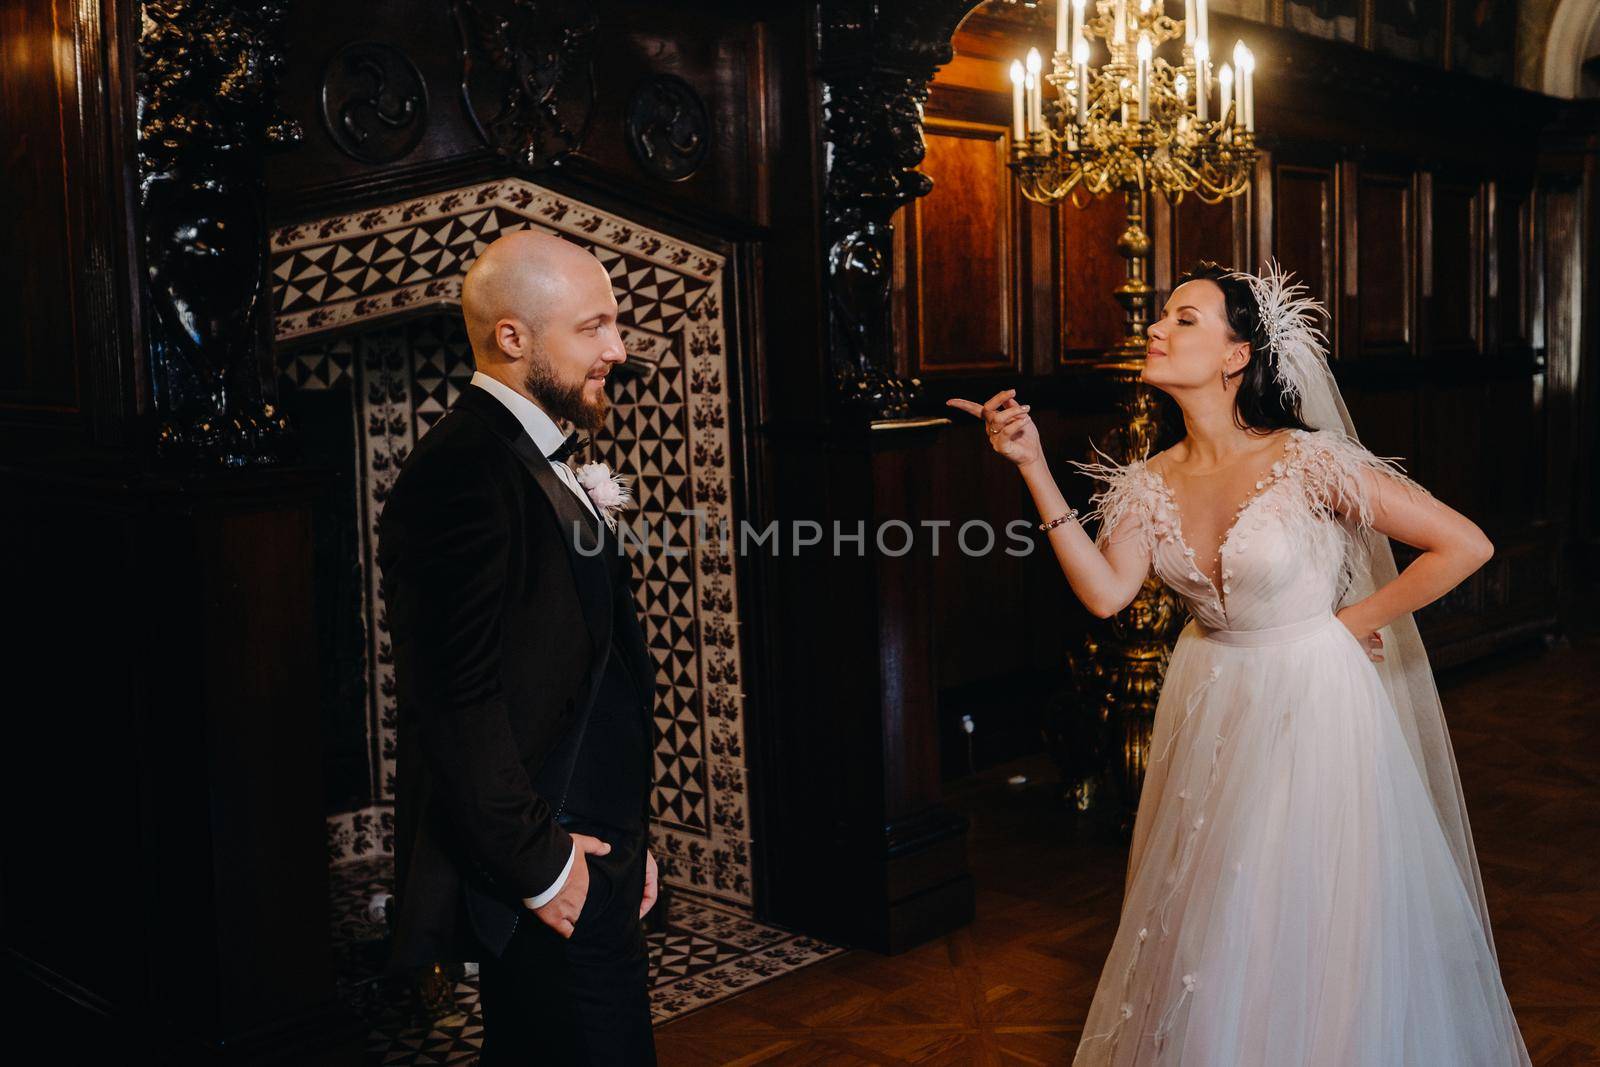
(1224, 373)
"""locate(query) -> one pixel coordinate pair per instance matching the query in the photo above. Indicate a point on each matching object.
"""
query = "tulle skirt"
(1291, 898)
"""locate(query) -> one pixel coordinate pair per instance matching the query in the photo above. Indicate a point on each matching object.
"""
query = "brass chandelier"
(1136, 123)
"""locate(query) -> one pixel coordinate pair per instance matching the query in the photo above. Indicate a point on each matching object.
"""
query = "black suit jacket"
(501, 628)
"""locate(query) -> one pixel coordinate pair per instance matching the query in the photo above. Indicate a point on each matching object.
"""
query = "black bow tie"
(573, 442)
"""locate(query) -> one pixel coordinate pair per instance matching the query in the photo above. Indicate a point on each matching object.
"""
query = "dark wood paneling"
(1513, 252)
(1385, 271)
(1451, 435)
(1452, 287)
(1304, 226)
(961, 253)
(1090, 270)
(720, 57)
(1386, 420)
(193, 751)
(67, 321)
(1204, 231)
(37, 305)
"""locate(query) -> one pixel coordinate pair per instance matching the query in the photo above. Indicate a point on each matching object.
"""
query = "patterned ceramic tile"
(355, 274)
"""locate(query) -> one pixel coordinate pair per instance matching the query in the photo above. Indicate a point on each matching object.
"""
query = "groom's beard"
(561, 400)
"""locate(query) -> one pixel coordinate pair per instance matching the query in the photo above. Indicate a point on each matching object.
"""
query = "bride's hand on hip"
(1371, 640)
(1011, 431)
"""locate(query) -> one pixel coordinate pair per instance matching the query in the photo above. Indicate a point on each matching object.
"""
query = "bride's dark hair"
(1260, 404)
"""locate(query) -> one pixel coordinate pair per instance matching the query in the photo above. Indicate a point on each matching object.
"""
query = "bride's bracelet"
(1070, 516)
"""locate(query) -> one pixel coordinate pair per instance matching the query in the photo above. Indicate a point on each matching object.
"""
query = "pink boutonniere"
(608, 492)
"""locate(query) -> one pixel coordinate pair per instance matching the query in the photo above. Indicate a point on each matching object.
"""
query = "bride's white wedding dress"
(1291, 896)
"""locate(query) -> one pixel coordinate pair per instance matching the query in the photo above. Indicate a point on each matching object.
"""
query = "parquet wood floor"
(1013, 987)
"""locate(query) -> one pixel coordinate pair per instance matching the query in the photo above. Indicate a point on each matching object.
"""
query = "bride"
(1302, 887)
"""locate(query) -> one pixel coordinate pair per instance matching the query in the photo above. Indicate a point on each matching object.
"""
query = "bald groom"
(523, 684)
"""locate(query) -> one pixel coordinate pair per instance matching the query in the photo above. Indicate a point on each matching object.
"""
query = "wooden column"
(859, 845)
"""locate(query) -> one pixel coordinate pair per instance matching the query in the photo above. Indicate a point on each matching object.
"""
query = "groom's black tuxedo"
(523, 687)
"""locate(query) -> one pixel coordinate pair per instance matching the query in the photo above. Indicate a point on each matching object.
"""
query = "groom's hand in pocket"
(561, 911)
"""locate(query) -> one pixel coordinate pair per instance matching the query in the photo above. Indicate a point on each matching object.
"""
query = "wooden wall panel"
(1452, 287)
(36, 290)
(1386, 420)
(1385, 272)
(1204, 231)
(1090, 270)
(720, 58)
(1451, 429)
(68, 321)
(961, 292)
(1514, 420)
(1513, 250)
(1303, 223)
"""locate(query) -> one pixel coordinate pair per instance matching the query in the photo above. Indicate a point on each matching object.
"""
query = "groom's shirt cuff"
(561, 879)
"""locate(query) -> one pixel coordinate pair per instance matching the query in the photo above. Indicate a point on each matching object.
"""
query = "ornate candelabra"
(1137, 122)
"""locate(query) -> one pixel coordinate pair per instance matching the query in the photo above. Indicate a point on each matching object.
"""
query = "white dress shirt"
(547, 437)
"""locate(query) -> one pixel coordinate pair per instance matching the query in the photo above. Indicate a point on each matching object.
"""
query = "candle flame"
(1016, 72)
(1144, 48)
(1080, 51)
(1035, 63)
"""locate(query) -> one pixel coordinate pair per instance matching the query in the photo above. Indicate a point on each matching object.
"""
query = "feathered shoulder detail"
(1341, 475)
(1134, 500)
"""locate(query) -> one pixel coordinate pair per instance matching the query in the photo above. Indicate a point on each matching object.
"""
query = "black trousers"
(550, 1001)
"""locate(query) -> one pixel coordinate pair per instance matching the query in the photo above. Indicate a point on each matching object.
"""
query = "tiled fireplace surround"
(366, 305)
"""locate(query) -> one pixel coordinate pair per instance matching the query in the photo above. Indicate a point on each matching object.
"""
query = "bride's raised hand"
(1011, 431)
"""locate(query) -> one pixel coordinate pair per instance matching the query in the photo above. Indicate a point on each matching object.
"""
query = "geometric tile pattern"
(369, 302)
(706, 953)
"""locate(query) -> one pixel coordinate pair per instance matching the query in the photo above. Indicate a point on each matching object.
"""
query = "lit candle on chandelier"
(1077, 24)
(1240, 80)
(1018, 130)
(1035, 91)
(1225, 80)
(1144, 77)
(1063, 24)
(1188, 22)
(1202, 27)
(1119, 33)
(1246, 62)
(1202, 79)
(1080, 59)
